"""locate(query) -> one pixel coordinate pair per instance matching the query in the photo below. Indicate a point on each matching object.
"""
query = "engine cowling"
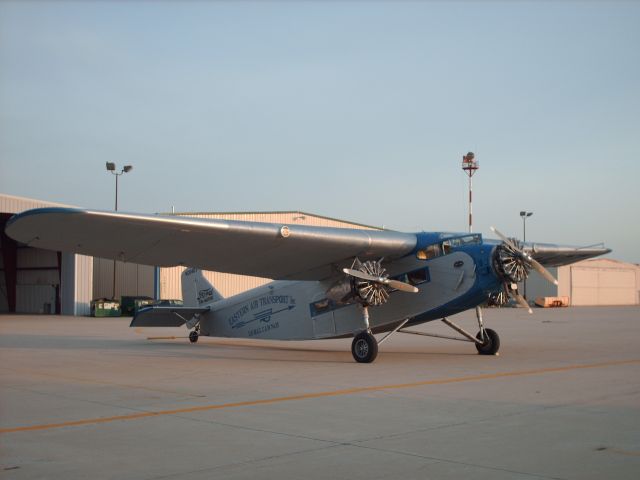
(367, 291)
(509, 264)
(342, 292)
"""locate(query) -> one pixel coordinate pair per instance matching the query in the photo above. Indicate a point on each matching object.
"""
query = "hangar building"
(42, 281)
(597, 281)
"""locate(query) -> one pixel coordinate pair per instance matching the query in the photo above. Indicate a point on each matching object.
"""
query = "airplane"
(327, 282)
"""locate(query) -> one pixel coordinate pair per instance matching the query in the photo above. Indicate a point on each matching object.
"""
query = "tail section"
(197, 291)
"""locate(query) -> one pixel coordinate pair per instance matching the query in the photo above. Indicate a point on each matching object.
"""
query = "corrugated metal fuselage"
(299, 310)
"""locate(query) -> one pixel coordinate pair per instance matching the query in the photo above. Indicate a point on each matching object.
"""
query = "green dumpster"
(102, 307)
(128, 304)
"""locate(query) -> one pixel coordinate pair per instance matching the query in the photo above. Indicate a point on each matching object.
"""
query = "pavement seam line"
(307, 396)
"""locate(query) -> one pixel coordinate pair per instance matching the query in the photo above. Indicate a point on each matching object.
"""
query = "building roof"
(15, 204)
(604, 262)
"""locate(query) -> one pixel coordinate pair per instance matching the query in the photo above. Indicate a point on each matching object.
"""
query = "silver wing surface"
(295, 252)
(551, 255)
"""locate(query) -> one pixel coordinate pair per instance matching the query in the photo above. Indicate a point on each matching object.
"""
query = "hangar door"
(602, 286)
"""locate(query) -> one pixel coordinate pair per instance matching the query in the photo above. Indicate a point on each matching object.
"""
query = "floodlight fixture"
(128, 168)
(111, 166)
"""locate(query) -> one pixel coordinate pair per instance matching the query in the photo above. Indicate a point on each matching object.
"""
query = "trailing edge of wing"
(297, 252)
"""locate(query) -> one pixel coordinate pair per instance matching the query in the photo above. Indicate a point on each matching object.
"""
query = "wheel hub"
(362, 348)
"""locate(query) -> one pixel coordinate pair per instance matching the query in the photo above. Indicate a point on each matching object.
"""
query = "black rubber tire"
(491, 343)
(193, 336)
(364, 348)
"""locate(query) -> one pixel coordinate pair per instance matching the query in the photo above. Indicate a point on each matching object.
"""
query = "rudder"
(197, 291)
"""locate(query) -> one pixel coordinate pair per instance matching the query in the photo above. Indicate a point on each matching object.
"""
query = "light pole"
(111, 167)
(524, 216)
(470, 166)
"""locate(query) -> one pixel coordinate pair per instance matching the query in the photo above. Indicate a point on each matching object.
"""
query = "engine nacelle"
(343, 292)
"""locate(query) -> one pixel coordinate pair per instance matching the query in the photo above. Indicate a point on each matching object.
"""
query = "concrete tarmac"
(92, 398)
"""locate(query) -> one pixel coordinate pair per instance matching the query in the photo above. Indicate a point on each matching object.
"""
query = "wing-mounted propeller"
(366, 283)
(513, 264)
(372, 284)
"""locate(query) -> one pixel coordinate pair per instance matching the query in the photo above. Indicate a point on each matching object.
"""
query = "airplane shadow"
(242, 350)
(210, 348)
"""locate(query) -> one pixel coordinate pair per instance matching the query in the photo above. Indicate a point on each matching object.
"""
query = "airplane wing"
(291, 252)
(551, 255)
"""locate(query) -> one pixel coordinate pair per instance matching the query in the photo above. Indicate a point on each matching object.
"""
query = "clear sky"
(356, 110)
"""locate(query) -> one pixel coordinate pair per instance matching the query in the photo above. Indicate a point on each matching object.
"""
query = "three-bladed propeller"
(519, 263)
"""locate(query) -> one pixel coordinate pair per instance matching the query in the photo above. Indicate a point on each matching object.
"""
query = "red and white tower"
(470, 166)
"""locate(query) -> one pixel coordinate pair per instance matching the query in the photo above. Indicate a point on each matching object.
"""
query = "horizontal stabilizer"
(165, 316)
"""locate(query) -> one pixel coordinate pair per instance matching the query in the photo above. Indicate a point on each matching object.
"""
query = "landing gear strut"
(487, 341)
(195, 333)
(364, 347)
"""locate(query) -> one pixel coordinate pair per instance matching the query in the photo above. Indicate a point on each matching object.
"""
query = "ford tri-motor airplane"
(328, 282)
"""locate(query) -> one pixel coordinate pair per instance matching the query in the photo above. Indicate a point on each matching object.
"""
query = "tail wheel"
(490, 342)
(364, 348)
(193, 336)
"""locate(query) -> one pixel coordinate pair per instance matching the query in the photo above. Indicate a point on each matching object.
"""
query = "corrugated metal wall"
(228, 284)
(131, 279)
(77, 281)
(37, 280)
(38, 276)
(13, 204)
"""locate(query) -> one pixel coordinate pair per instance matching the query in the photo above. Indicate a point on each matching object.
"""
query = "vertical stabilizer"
(197, 291)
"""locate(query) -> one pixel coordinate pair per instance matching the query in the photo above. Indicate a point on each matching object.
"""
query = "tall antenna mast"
(470, 166)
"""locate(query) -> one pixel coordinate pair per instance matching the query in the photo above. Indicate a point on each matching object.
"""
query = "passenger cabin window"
(417, 277)
(414, 278)
(321, 306)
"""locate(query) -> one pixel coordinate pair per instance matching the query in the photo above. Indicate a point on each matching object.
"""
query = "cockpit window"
(474, 239)
(431, 251)
(446, 246)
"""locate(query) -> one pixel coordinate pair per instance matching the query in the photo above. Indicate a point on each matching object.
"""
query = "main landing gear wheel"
(364, 348)
(491, 343)
(193, 336)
